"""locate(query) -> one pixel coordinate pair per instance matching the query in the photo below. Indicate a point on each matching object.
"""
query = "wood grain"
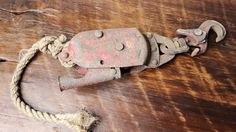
(187, 94)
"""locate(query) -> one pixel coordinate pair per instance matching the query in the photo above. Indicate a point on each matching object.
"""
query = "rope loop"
(80, 121)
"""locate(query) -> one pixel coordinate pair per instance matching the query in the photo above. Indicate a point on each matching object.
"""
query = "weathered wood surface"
(187, 94)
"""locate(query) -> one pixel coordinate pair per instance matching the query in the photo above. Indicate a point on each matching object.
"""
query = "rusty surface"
(92, 76)
(187, 94)
(198, 37)
(98, 51)
(154, 53)
(107, 48)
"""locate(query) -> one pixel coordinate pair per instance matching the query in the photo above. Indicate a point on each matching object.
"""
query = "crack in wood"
(13, 116)
(34, 11)
(3, 59)
(52, 27)
(22, 12)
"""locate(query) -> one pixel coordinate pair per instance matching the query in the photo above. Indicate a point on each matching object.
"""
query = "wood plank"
(187, 94)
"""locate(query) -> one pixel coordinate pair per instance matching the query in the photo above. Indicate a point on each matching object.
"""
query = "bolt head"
(120, 46)
(98, 34)
(198, 32)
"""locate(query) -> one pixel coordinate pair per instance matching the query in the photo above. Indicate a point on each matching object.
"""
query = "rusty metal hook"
(198, 37)
(217, 27)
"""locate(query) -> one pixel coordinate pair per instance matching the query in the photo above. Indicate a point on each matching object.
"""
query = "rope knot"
(51, 45)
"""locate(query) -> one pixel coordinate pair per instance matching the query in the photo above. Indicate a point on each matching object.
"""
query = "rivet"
(65, 55)
(149, 35)
(120, 46)
(138, 36)
(153, 48)
(114, 71)
(154, 62)
(198, 32)
(187, 40)
(98, 34)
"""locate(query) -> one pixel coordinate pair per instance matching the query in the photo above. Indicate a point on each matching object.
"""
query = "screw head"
(198, 32)
(120, 46)
(98, 34)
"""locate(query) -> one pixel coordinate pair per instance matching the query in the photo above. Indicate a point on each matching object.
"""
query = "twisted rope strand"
(80, 121)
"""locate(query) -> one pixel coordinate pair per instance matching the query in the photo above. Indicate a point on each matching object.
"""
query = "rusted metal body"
(102, 55)
(114, 48)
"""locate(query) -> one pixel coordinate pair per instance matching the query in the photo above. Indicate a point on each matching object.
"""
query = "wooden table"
(187, 94)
